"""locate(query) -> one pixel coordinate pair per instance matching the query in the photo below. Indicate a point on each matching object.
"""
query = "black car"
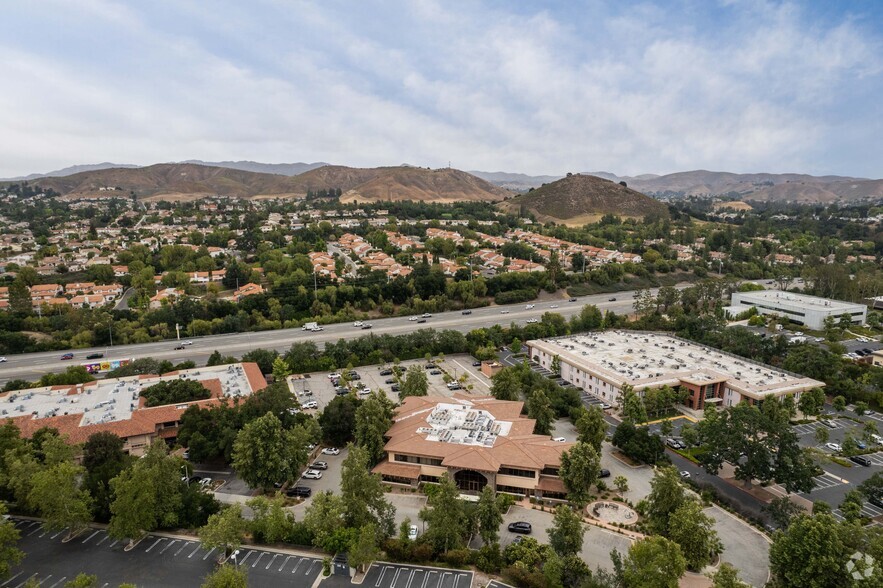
(299, 492)
(467, 312)
(95, 356)
(430, 366)
(421, 320)
(476, 364)
(604, 473)
(573, 299)
(341, 391)
(861, 460)
(611, 299)
(354, 376)
(366, 327)
(389, 381)
(385, 372)
(435, 372)
(179, 347)
(876, 500)
(520, 527)
(394, 387)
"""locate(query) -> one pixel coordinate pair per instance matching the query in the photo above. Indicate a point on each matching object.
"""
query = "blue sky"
(534, 87)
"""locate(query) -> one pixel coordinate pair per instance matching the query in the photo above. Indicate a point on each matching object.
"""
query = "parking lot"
(388, 575)
(155, 561)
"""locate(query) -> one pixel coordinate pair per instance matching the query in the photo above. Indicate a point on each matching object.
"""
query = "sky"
(532, 87)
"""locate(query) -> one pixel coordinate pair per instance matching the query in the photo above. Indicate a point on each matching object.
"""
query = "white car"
(834, 447)
(3, 360)
(187, 343)
(412, 532)
(559, 439)
(312, 475)
(205, 482)
(334, 376)
(358, 324)
(412, 318)
(553, 306)
(310, 404)
(532, 321)
(425, 315)
(364, 391)
(528, 307)
(504, 312)
(331, 451)
(685, 474)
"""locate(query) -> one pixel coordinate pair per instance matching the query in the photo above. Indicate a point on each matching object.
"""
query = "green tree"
(633, 409)
(566, 534)
(507, 384)
(224, 530)
(861, 407)
(591, 427)
(667, 495)
(446, 516)
(414, 383)
(365, 549)
(20, 297)
(822, 435)
(852, 505)
(654, 562)
(515, 346)
(270, 522)
(782, 510)
(488, 516)
(555, 366)
(693, 530)
(580, 466)
(104, 459)
(373, 420)
(324, 518)
(839, 403)
(539, 408)
(338, 419)
(83, 581)
(362, 494)
(727, 577)
(62, 502)
(227, 576)
(811, 553)
(280, 369)
(621, 484)
(811, 402)
(10, 554)
(264, 453)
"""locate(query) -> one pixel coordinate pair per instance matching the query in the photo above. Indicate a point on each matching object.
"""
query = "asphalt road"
(30, 366)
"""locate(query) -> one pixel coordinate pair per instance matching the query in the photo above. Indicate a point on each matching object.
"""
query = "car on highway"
(187, 343)
(299, 492)
(312, 475)
(412, 318)
(529, 306)
(611, 299)
(834, 447)
(532, 321)
(311, 404)
(67, 356)
(522, 527)
(572, 300)
(319, 465)
(425, 315)
(3, 360)
(466, 312)
(179, 347)
(504, 312)
(412, 532)
(553, 306)
(95, 356)
(358, 324)
(331, 451)
(366, 327)
(423, 320)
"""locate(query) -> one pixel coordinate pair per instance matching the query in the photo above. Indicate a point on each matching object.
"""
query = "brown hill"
(812, 193)
(430, 185)
(580, 199)
(188, 181)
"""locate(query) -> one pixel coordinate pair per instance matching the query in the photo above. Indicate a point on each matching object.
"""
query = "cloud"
(740, 86)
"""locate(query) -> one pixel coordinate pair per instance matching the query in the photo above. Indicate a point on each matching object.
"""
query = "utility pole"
(110, 330)
(178, 331)
(315, 286)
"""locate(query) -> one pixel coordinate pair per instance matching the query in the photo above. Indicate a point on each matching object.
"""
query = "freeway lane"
(31, 366)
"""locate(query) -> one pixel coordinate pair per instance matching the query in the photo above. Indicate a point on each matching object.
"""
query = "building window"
(430, 461)
(513, 490)
(550, 472)
(430, 479)
(517, 472)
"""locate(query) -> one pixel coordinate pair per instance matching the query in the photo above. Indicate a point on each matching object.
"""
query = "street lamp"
(233, 557)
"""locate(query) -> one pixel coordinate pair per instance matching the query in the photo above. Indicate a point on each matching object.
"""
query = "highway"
(30, 366)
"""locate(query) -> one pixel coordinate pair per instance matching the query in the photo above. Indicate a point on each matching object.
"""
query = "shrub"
(457, 557)
(174, 392)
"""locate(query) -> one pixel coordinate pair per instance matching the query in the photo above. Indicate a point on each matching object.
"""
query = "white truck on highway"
(311, 327)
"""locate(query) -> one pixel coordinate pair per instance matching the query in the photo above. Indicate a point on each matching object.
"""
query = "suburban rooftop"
(794, 298)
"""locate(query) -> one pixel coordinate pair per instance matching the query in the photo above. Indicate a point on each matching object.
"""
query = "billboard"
(105, 365)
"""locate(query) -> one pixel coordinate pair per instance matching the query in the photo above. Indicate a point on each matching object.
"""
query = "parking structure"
(155, 561)
(389, 575)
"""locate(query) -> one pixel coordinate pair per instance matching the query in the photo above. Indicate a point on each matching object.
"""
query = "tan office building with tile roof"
(476, 441)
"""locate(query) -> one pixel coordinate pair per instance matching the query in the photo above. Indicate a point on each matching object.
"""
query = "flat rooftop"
(464, 425)
(646, 360)
(111, 400)
(795, 299)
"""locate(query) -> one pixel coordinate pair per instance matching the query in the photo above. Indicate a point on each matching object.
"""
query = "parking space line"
(460, 577)
(300, 561)
(9, 581)
(262, 554)
(167, 546)
(194, 552)
(46, 579)
(208, 554)
(426, 579)
(275, 555)
(59, 533)
(112, 544)
(90, 536)
(382, 573)
(395, 577)
(37, 530)
(182, 548)
(443, 576)
(26, 581)
(59, 582)
(154, 544)
(310, 569)
(411, 578)
(283, 563)
(247, 555)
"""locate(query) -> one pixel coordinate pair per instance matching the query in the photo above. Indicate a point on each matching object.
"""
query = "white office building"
(810, 311)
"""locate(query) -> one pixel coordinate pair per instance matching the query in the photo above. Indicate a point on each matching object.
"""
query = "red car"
(67, 356)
